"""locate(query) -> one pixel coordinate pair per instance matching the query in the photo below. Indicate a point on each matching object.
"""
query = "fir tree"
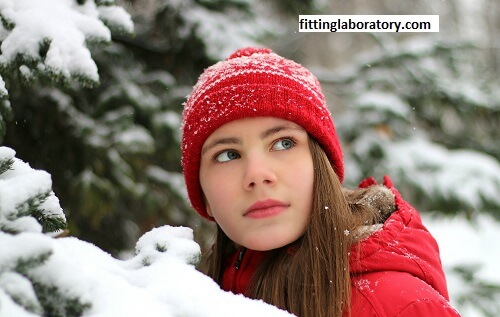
(117, 170)
(28, 209)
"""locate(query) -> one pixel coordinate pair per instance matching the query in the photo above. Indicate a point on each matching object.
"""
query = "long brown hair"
(315, 280)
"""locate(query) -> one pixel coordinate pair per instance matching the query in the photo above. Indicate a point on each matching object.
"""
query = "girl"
(262, 159)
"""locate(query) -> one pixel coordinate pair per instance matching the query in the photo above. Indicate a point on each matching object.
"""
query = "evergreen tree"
(28, 202)
(113, 149)
(29, 208)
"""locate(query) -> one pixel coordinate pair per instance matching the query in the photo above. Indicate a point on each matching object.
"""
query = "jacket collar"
(240, 268)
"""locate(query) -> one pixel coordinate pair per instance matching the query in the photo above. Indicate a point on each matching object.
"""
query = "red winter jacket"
(395, 272)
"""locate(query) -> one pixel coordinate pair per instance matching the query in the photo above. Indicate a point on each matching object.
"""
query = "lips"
(265, 208)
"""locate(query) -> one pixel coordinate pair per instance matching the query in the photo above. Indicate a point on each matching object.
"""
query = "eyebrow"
(220, 141)
(280, 128)
(267, 133)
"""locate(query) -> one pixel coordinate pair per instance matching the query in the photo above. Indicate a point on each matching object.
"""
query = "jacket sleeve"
(429, 308)
(396, 294)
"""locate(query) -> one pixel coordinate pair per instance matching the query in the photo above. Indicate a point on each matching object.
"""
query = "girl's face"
(257, 175)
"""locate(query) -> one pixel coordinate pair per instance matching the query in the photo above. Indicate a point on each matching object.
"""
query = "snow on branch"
(467, 176)
(70, 277)
(27, 202)
(50, 37)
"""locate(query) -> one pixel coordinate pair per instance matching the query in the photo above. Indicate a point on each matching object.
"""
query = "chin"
(267, 244)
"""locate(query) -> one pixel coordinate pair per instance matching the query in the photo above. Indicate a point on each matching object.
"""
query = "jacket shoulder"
(396, 294)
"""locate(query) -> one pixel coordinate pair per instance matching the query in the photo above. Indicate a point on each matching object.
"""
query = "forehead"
(257, 124)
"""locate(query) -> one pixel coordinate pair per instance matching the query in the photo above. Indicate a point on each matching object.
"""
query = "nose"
(258, 172)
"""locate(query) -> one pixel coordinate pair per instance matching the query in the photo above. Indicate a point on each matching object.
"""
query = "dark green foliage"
(49, 223)
(24, 266)
(6, 165)
(484, 295)
(56, 304)
(7, 24)
(32, 206)
(5, 114)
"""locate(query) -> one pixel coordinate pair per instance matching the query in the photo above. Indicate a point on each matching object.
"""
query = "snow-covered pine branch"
(27, 202)
(50, 38)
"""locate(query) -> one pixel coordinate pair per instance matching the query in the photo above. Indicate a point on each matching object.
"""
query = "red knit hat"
(253, 82)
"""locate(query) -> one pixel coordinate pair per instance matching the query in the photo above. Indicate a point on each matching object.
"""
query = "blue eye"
(226, 156)
(283, 144)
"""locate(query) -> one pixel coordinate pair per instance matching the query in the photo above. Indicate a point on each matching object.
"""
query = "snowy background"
(91, 93)
(469, 246)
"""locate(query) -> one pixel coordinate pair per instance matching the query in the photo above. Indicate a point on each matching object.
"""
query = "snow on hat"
(253, 82)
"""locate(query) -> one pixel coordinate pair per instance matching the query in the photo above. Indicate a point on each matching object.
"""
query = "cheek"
(305, 183)
(217, 190)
